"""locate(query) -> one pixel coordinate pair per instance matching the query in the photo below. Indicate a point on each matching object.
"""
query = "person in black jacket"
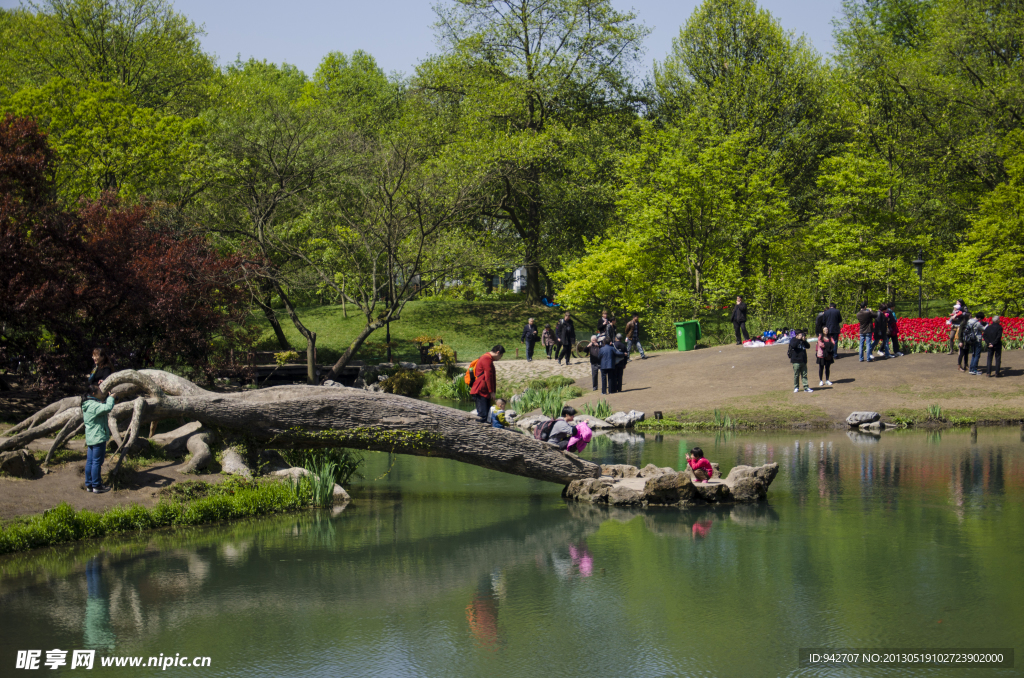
(739, 320)
(594, 349)
(609, 355)
(993, 338)
(833, 320)
(565, 334)
(798, 356)
(620, 365)
(530, 337)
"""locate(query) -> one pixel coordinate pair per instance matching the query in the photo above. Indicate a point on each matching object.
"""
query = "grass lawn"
(470, 327)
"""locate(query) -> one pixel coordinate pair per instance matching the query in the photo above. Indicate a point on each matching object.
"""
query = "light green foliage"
(540, 92)
(601, 409)
(404, 382)
(142, 46)
(988, 271)
(105, 142)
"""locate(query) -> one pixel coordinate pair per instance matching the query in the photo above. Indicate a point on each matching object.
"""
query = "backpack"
(470, 373)
(542, 431)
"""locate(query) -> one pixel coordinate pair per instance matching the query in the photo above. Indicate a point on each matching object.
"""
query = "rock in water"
(872, 427)
(625, 419)
(623, 495)
(19, 463)
(340, 495)
(593, 422)
(857, 418)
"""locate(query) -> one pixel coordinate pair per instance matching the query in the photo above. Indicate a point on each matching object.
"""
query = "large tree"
(541, 89)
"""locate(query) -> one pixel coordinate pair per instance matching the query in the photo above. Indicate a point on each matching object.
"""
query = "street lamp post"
(919, 265)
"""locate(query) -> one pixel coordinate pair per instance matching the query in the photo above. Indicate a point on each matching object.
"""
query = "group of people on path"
(562, 338)
(969, 335)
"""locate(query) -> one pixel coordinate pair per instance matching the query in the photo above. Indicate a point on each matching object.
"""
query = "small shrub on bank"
(404, 383)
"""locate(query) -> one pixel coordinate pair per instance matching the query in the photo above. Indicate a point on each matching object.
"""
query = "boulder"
(330, 383)
(591, 490)
(625, 419)
(874, 426)
(619, 470)
(748, 489)
(765, 473)
(623, 495)
(293, 473)
(593, 422)
(668, 488)
(408, 366)
(19, 463)
(713, 491)
(528, 422)
(340, 495)
(857, 418)
(650, 471)
(231, 463)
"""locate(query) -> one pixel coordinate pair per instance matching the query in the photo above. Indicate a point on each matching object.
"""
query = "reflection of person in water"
(482, 612)
(701, 528)
(98, 634)
(582, 559)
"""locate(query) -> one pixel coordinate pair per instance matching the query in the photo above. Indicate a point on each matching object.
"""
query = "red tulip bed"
(931, 335)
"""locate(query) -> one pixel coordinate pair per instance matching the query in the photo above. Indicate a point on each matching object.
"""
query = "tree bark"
(312, 416)
(352, 348)
(282, 340)
(309, 335)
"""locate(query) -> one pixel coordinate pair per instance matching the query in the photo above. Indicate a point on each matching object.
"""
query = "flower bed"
(931, 335)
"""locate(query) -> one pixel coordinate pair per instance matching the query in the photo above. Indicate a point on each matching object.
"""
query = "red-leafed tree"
(107, 275)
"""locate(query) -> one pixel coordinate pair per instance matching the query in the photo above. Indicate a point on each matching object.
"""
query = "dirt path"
(66, 483)
(756, 385)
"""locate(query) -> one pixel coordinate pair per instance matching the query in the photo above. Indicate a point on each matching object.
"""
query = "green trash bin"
(687, 334)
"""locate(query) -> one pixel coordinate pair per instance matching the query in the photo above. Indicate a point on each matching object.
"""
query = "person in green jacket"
(95, 412)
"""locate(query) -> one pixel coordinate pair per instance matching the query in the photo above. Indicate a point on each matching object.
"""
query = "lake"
(913, 540)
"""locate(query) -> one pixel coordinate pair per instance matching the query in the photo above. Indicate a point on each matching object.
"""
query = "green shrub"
(404, 383)
(346, 462)
(600, 409)
(438, 384)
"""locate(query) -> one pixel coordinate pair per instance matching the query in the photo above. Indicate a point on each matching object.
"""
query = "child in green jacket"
(96, 436)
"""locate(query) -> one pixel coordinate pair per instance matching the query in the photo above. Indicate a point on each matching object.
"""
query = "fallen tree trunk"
(315, 416)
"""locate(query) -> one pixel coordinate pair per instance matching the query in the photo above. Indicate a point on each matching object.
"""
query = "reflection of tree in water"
(617, 447)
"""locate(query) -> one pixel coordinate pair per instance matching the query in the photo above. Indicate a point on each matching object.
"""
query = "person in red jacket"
(700, 466)
(485, 383)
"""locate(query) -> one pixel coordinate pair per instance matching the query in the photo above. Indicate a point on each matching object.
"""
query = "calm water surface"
(443, 569)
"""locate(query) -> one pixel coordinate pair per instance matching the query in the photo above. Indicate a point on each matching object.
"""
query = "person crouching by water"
(826, 355)
(485, 382)
(564, 428)
(701, 467)
(101, 367)
(95, 412)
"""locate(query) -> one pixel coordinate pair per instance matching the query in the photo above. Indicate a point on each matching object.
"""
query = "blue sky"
(398, 33)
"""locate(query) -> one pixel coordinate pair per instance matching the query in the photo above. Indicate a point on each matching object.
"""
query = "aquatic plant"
(601, 409)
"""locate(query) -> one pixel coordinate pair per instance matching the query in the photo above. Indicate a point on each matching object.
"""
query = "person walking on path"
(975, 330)
(485, 382)
(530, 337)
(594, 350)
(825, 352)
(993, 337)
(866, 318)
(739, 320)
(97, 433)
(881, 333)
(953, 323)
(633, 336)
(565, 334)
(798, 356)
(548, 339)
(833, 320)
(609, 359)
(894, 330)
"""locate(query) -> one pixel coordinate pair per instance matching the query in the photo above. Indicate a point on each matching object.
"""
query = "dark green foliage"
(404, 382)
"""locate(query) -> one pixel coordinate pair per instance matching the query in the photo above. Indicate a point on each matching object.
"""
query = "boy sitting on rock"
(700, 466)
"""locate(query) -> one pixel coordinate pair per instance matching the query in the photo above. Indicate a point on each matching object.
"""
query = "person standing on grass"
(798, 356)
(633, 336)
(833, 320)
(825, 353)
(97, 433)
(565, 334)
(739, 320)
(530, 337)
(548, 339)
(609, 359)
(975, 330)
(866, 318)
(594, 350)
(993, 337)
(485, 382)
